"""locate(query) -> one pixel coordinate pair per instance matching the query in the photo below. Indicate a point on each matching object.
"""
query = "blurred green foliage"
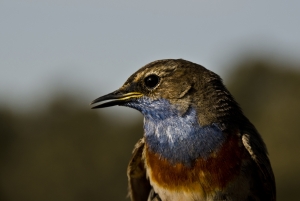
(69, 152)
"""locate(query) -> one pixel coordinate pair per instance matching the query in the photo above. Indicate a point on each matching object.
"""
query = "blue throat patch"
(177, 138)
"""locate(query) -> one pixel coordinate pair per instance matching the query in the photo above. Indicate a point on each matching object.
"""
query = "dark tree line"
(69, 152)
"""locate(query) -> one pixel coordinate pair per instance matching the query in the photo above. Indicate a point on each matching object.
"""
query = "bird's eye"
(151, 81)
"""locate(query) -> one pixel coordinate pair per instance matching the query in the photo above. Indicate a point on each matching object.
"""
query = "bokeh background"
(56, 56)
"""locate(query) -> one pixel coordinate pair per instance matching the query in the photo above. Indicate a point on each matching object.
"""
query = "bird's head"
(170, 87)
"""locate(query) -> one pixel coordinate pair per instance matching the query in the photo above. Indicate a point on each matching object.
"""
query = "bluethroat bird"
(197, 143)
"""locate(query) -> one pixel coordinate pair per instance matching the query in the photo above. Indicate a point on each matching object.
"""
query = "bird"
(197, 144)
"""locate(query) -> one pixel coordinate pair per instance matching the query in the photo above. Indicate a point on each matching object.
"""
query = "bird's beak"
(115, 98)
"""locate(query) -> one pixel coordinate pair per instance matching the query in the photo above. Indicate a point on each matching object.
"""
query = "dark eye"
(151, 81)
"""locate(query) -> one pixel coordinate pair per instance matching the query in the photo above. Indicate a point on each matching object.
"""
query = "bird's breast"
(204, 177)
(181, 139)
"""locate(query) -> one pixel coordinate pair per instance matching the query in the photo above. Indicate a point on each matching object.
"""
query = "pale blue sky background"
(91, 47)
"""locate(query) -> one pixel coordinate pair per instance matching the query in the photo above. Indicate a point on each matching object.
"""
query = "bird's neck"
(180, 138)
